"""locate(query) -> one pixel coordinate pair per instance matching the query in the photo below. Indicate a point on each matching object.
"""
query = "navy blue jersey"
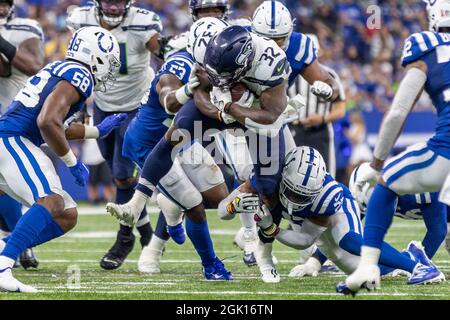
(328, 202)
(300, 53)
(21, 117)
(434, 49)
(152, 121)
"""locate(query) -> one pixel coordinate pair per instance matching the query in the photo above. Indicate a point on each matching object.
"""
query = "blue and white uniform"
(300, 53)
(26, 173)
(422, 167)
(336, 202)
(194, 171)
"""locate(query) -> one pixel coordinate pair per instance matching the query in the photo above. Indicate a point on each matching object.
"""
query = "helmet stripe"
(273, 15)
(310, 165)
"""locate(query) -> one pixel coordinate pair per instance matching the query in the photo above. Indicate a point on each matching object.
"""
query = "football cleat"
(269, 274)
(328, 266)
(400, 273)
(364, 277)
(423, 274)
(124, 213)
(115, 257)
(149, 261)
(416, 250)
(28, 259)
(10, 284)
(249, 259)
(177, 233)
(216, 271)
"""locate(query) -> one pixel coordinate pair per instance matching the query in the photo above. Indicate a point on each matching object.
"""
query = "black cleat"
(115, 257)
(28, 259)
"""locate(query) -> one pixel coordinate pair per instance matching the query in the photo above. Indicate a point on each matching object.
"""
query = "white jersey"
(135, 75)
(269, 67)
(16, 31)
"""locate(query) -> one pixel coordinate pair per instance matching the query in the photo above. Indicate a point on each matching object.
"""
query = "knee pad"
(171, 211)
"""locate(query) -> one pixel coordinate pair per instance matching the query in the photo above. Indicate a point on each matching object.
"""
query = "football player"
(194, 175)
(21, 55)
(37, 115)
(320, 211)
(422, 167)
(137, 31)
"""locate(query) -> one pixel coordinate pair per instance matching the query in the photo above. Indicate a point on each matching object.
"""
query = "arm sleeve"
(404, 100)
(306, 237)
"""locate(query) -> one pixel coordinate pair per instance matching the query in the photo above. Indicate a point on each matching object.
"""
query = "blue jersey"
(327, 203)
(300, 53)
(21, 117)
(434, 50)
(152, 121)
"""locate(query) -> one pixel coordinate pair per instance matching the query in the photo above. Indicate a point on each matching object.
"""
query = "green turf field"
(181, 272)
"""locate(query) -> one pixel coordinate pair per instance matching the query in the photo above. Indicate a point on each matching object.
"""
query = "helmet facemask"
(296, 199)
(113, 12)
(104, 72)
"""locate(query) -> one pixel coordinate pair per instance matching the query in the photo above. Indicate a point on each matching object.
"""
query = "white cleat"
(269, 274)
(123, 212)
(149, 261)
(365, 276)
(10, 284)
(400, 273)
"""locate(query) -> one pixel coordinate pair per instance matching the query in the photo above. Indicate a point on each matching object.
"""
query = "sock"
(198, 232)
(320, 256)
(379, 215)
(435, 218)
(385, 269)
(10, 211)
(156, 166)
(389, 256)
(157, 244)
(161, 228)
(35, 227)
(172, 213)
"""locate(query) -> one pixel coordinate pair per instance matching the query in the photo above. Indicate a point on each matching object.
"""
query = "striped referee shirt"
(315, 105)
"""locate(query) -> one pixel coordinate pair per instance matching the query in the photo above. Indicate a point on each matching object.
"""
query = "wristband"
(272, 231)
(8, 50)
(91, 132)
(230, 208)
(69, 159)
(182, 96)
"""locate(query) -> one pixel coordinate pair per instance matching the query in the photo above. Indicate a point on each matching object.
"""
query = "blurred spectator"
(356, 133)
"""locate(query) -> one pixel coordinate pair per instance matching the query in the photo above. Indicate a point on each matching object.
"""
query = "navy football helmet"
(195, 5)
(229, 56)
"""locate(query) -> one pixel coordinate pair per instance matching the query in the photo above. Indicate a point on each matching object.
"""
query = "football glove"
(244, 203)
(322, 90)
(265, 222)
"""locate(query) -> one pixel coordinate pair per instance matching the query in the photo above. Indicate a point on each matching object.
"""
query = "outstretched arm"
(409, 91)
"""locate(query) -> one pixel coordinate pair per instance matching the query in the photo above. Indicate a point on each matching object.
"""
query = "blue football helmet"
(195, 5)
(229, 56)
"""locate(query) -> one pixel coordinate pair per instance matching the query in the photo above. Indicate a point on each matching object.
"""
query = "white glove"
(310, 268)
(193, 81)
(366, 174)
(246, 101)
(220, 97)
(264, 220)
(226, 118)
(298, 102)
(244, 203)
(322, 90)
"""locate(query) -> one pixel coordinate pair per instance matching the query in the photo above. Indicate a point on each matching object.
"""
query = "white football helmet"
(4, 19)
(199, 35)
(438, 14)
(99, 50)
(273, 20)
(177, 43)
(364, 196)
(302, 178)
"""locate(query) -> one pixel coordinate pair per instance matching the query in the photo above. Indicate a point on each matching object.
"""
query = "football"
(238, 90)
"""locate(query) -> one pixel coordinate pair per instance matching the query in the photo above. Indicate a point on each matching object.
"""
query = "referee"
(315, 125)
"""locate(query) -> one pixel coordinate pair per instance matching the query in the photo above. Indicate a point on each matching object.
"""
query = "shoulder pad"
(143, 20)
(76, 74)
(419, 44)
(330, 199)
(301, 50)
(79, 17)
(26, 25)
